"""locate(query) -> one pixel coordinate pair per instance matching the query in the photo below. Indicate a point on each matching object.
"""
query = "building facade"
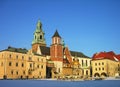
(17, 63)
(105, 64)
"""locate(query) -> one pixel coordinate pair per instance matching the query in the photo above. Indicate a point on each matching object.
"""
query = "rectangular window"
(37, 66)
(16, 56)
(99, 68)
(23, 72)
(102, 68)
(10, 64)
(10, 56)
(82, 62)
(90, 62)
(22, 65)
(30, 65)
(16, 64)
(12, 72)
(16, 72)
(41, 66)
(86, 72)
(96, 69)
(86, 63)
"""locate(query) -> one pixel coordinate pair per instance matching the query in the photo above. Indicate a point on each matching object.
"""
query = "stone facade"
(104, 68)
(105, 64)
(21, 65)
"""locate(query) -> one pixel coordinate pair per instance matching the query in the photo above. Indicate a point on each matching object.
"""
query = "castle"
(41, 62)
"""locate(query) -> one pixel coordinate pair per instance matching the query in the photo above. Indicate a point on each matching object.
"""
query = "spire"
(39, 26)
(63, 43)
(56, 34)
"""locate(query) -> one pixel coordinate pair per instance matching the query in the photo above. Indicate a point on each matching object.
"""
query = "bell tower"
(56, 52)
(39, 39)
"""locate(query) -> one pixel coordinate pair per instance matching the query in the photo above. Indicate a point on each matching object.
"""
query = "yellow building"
(85, 66)
(105, 64)
(18, 63)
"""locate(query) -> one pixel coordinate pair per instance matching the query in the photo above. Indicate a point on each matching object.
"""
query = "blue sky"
(88, 26)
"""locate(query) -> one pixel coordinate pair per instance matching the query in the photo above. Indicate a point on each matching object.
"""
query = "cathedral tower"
(39, 39)
(56, 51)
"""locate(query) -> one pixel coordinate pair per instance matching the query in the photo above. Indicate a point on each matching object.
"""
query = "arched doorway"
(4, 77)
(96, 75)
(48, 72)
(21, 77)
(104, 74)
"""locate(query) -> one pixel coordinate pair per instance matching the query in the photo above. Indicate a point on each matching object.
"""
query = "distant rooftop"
(106, 55)
(46, 51)
(13, 49)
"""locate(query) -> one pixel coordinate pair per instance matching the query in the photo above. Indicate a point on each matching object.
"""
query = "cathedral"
(60, 61)
(40, 62)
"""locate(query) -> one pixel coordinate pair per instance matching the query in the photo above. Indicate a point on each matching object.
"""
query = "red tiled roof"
(118, 57)
(106, 55)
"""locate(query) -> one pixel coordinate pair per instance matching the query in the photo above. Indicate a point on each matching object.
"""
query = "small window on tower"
(35, 36)
(40, 36)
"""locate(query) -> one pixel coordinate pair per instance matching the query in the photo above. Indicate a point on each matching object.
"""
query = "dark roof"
(45, 50)
(56, 34)
(78, 54)
(13, 49)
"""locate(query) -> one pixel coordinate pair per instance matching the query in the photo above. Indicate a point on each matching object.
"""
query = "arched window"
(40, 36)
(35, 36)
